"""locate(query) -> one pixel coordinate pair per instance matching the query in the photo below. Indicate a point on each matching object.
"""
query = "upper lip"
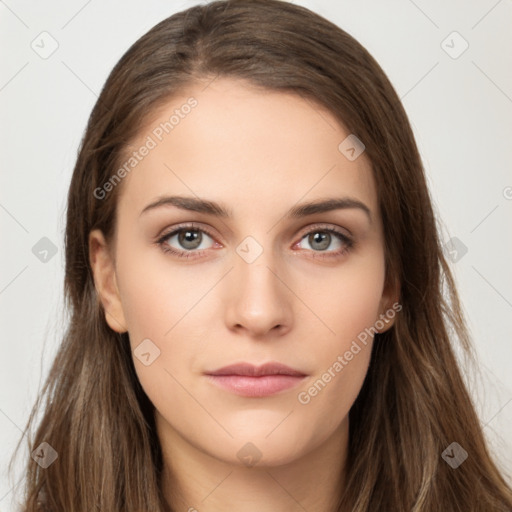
(257, 371)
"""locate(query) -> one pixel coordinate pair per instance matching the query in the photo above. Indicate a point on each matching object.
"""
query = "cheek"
(347, 299)
(155, 294)
(349, 305)
(168, 305)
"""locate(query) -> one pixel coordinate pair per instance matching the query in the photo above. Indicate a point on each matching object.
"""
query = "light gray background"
(460, 109)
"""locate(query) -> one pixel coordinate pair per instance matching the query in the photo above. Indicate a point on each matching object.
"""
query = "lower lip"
(264, 385)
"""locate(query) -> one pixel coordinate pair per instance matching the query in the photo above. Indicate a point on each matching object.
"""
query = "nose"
(257, 302)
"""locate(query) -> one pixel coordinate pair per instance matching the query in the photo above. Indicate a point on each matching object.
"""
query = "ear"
(103, 268)
(389, 305)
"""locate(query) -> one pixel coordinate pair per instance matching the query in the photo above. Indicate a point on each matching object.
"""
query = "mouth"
(247, 380)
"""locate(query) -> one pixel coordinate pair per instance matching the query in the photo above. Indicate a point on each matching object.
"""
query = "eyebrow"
(198, 205)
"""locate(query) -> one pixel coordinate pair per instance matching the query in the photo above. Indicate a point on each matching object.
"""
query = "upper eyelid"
(319, 226)
(166, 233)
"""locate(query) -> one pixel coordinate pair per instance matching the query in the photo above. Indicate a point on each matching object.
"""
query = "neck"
(194, 481)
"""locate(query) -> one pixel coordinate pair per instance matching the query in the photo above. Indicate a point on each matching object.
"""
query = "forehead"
(244, 146)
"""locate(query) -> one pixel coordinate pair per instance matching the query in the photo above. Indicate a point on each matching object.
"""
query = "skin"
(259, 153)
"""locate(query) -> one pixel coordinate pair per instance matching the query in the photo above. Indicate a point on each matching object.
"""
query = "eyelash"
(348, 242)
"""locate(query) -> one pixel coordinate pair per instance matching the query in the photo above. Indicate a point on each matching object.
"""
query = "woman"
(255, 284)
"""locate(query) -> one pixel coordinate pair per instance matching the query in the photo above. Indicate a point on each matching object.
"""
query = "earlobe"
(384, 323)
(103, 269)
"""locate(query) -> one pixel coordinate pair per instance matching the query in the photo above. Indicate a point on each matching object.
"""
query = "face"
(268, 281)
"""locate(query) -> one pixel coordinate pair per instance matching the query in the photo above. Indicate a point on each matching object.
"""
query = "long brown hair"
(413, 403)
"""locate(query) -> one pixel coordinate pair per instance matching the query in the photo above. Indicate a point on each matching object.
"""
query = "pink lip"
(256, 381)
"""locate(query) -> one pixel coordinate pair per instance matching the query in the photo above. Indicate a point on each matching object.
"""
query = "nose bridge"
(258, 300)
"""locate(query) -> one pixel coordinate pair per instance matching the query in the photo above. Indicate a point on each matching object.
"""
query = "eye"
(184, 240)
(326, 240)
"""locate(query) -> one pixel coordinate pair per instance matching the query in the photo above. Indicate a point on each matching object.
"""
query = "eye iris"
(321, 238)
(190, 239)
